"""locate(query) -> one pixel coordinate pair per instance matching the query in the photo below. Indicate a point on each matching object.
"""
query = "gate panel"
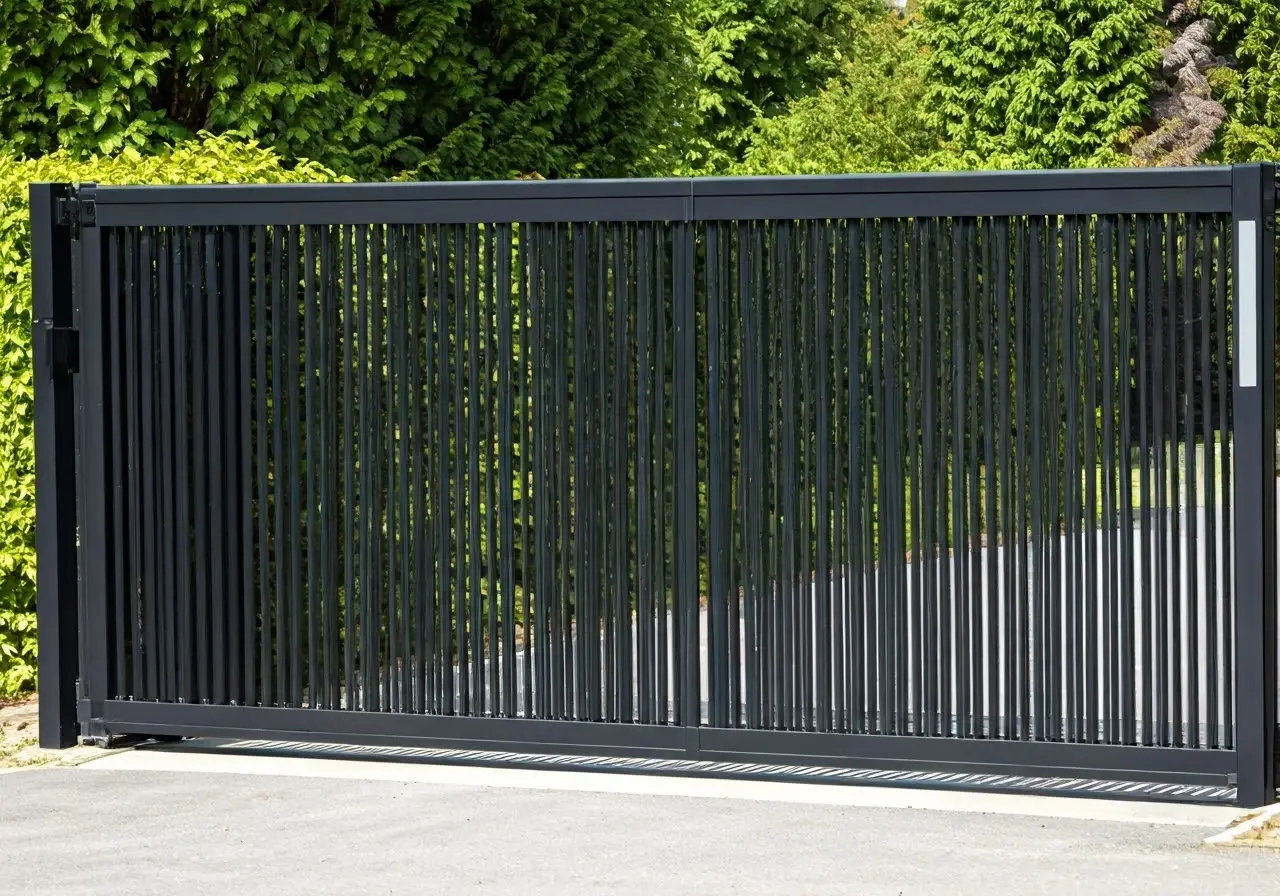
(392, 468)
(985, 473)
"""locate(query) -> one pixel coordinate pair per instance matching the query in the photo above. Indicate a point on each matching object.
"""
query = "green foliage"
(879, 113)
(443, 88)
(869, 117)
(463, 88)
(207, 160)
(1249, 30)
(755, 56)
(1051, 83)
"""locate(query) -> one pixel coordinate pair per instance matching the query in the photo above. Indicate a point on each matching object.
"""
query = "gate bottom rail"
(725, 745)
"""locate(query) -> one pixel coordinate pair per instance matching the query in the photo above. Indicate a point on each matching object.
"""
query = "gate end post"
(53, 312)
(1254, 222)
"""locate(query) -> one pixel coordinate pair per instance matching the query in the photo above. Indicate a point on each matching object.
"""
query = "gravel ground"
(19, 725)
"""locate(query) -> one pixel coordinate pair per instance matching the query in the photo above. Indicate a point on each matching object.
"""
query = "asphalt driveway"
(105, 829)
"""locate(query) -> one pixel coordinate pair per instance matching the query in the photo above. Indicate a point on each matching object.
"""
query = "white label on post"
(1247, 303)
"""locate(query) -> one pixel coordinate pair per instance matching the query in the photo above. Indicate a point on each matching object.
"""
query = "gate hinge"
(77, 212)
(64, 348)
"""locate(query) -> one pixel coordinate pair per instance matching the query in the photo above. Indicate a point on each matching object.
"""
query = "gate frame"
(71, 461)
(1253, 208)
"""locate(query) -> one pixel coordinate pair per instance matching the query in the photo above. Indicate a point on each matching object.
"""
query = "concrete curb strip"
(853, 797)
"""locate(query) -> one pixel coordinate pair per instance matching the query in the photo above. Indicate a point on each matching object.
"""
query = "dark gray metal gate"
(967, 472)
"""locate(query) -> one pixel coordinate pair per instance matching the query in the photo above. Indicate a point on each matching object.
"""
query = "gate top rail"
(967, 194)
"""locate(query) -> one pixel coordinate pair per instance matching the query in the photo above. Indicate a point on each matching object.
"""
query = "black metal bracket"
(63, 344)
(77, 212)
(95, 734)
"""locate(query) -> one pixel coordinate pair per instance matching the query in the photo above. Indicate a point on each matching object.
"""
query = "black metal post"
(1253, 213)
(54, 357)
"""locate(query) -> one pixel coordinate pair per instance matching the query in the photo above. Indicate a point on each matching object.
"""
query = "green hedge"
(205, 160)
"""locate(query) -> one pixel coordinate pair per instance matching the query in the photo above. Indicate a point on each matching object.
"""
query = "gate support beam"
(53, 348)
(1253, 213)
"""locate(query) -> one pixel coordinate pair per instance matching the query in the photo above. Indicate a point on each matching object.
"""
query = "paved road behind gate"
(162, 832)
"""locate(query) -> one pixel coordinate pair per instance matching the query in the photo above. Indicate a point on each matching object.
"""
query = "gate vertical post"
(687, 529)
(1253, 214)
(98, 679)
(54, 357)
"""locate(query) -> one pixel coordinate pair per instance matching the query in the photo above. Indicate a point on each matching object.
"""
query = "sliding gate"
(969, 474)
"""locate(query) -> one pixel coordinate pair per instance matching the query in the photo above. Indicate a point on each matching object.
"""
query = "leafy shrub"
(1250, 89)
(868, 118)
(205, 160)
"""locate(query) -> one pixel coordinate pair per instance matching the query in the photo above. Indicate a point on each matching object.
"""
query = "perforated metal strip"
(757, 771)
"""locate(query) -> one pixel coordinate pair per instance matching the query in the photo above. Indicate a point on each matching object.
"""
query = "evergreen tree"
(755, 56)
(443, 88)
(1052, 83)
